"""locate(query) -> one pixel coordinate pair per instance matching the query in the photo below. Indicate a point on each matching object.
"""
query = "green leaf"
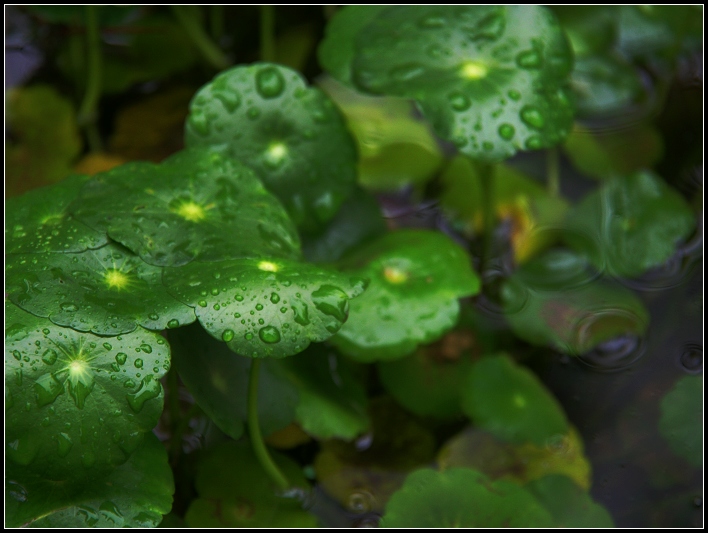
(235, 491)
(46, 138)
(76, 402)
(38, 221)
(416, 278)
(489, 78)
(290, 134)
(510, 402)
(135, 494)
(195, 205)
(265, 308)
(681, 421)
(218, 380)
(462, 498)
(555, 300)
(591, 29)
(630, 224)
(107, 291)
(569, 505)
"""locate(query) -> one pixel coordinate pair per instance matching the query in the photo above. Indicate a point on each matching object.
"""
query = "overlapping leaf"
(290, 134)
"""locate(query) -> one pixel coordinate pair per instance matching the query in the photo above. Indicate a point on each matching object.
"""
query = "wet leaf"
(39, 221)
(520, 463)
(489, 78)
(416, 278)
(556, 300)
(290, 134)
(194, 205)
(44, 137)
(681, 422)
(235, 491)
(630, 224)
(510, 402)
(462, 497)
(80, 403)
(267, 307)
(136, 494)
(107, 291)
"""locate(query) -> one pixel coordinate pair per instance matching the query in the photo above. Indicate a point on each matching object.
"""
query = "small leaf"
(510, 402)
(107, 291)
(630, 224)
(416, 279)
(235, 491)
(196, 204)
(136, 494)
(266, 307)
(681, 422)
(290, 134)
(462, 498)
(80, 403)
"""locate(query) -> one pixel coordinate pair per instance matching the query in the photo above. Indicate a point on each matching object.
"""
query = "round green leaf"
(681, 422)
(630, 224)
(416, 278)
(267, 307)
(510, 402)
(194, 205)
(489, 78)
(462, 498)
(235, 491)
(290, 134)
(106, 291)
(38, 221)
(135, 494)
(76, 402)
(554, 300)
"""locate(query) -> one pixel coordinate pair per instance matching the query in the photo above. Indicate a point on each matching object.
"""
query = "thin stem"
(174, 410)
(486, 172)
(254, 430)
(267, 33)
(553, 171)
(209, 50)
(88, 113)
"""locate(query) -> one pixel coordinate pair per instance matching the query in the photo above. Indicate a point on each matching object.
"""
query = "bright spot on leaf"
(78, 368)
(115, 279)
(267, 266)
(276, 152)
(474, 70)
(51, 219)
(191, 211)
(395, 275)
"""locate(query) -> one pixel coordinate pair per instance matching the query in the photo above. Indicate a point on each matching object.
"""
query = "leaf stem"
(553, 171)
(267, 33)
(209, 50)
(88, 113)
(254, 430)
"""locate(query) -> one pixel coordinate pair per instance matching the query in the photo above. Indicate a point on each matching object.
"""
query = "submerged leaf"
(681, 422)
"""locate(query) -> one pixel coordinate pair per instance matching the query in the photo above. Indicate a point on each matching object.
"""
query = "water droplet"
(107, 346)
(111, 512)
(217, 307)
(459, 101)
(149, 389)
(532, 117)
(129, 383)
(239, 298)
(89, 515)
(269, 335)
(172, 324)
(199, 122)
(17, 355)
(529, 59)
(64, 444)
(331, 301)
(506, 131)
(253, 113)
(121, 358)
(274, 298)
(229, 98)
(214, 291)
(24, 449)
(138, 363)
(47, 388)
(228, 335)
(692, 358)
(269, 82)
(301, 313)
(259, 307)
(248, 336)
(486, 145)
(146, 348)
(534, 143)
(202, 303)
(153, 316)
(69, 307)
(16, 491)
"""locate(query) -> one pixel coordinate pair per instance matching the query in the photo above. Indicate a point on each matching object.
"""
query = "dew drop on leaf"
(107, 346)
(506, 131)
(121, 358)
(149, 389)
(269, 82)
(47, 388)
(138, 363)
(64, 444)
(529, 59)
(172, 324)
(460, 101)
(532, 117)
(146, 348)
(69, 307)
(228, 335)
(269, 335)
(49, 357)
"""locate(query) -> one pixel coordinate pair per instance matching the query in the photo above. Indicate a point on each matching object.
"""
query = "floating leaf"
(135, 494)
(416, 279)
(630, 224)
(556, 300)
(462, 498)
(235, 491)
(290, 134)
(489, 78)
(80, 403)
(196, 204)
(520, 463)
(107, 291)
(681, 422)
(38, 221)
(267, 307)
(510, 402)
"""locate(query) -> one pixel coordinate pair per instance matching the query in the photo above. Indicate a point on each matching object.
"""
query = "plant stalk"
(267, 33)
(553, 171)
(209, 50)
(88, 112)
(254, 430)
